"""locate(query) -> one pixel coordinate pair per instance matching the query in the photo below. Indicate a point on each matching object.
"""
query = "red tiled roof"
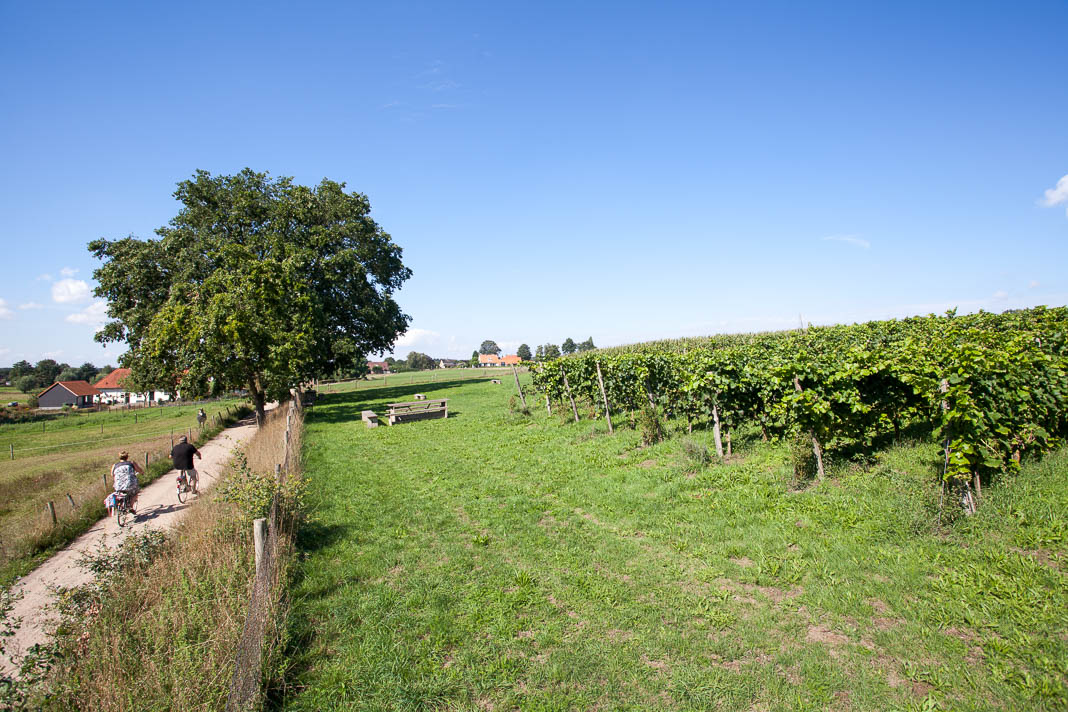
(112, 380)
(78, 388)
(488, 358)
(512, 360)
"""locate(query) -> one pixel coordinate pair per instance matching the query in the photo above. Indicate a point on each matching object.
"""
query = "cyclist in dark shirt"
(182, 457)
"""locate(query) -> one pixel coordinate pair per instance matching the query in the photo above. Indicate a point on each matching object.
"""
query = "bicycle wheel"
(181, 492)
(120, 515)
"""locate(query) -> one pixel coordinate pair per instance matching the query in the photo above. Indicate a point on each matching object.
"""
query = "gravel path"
(157, 508)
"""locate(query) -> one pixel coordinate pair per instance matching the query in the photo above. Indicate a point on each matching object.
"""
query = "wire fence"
(272, 537)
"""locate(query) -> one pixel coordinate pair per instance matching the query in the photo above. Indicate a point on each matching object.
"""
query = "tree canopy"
(568, 347)
(489, 347)
(256, 283)
(523, 352)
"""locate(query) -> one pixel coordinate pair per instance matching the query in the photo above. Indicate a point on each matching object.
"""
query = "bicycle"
(122, 509)
(185, 486)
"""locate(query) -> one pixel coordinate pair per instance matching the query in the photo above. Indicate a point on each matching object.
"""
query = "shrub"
(802, 457)
(696, 452)
(650, 426)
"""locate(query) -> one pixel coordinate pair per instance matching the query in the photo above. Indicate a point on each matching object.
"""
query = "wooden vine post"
(567, 388)
(519, 387)
(715, 431)
(604, 397)
(816, 449)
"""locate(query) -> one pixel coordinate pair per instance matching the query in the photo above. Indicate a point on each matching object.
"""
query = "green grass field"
(70, 454)
(498, 561)
(411, 378)
(10, 393)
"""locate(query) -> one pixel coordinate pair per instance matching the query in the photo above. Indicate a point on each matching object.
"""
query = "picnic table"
(418, 410)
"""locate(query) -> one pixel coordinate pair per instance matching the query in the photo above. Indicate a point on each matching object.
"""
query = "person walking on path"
(182, 457)
(124, 472)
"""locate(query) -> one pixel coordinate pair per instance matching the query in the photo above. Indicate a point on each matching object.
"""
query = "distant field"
(500, 561)
(71, 454)
(10, 393)
(378, 380)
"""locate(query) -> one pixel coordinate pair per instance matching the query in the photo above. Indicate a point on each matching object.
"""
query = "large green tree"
(523, 352)
(489, 347)
(568, 347)
(257, 283)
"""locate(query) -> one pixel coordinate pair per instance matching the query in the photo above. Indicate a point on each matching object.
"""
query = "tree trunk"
(259, 402)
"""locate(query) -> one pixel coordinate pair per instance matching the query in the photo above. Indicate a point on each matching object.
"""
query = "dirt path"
(157, 508)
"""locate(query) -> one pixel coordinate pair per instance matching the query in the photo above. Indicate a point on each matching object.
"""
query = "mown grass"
(411, 378)
(501, 561)
(10, 393)
(27, 535)
(161, 627)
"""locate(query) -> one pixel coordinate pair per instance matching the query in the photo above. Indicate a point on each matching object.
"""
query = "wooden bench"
(370, 418)
(418, 410)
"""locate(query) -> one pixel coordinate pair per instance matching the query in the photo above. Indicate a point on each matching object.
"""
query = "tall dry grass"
(163, 634)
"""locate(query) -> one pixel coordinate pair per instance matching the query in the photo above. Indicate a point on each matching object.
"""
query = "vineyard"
(991, 387)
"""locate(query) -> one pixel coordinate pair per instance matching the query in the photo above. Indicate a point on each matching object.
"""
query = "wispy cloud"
(1056, 195)
(44, 277)
(5, 312)
(68, 271)
(54, 355)
(1032, 284)
(444, 106)
(69, 291)
(4, 351)
(851, 239)
(31, 305)
(94, 315)
(416, 337)
(1001, 294)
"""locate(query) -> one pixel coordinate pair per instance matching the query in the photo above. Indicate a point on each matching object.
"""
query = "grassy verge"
(27, 535)
(160, 627)
(414, 378)
(501, 561)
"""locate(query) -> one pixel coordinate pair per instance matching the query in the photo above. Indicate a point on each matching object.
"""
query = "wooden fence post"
(146, 462)
(12, 446)
(604, 397)
(71, 500)
(259, 536)
(519, 387)
(51, 507)
(567, 388)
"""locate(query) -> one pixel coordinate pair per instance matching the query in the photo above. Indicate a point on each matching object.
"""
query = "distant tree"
(489, 347)
(21, 368)
(46, 371)
(26, 384)
(376, 369)
(104, 370)
(86, 372)
(474, 358)
(551, 351)
(539, 353)
(524, 352)
(420, 361)
(68, 374)
(257, 283)
(390, 360)
(587, 345)
(569, 346)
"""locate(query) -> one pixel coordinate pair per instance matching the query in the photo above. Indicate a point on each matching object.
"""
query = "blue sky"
(624, 171)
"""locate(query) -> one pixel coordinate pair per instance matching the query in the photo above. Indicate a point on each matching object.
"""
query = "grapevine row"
(992, 386)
